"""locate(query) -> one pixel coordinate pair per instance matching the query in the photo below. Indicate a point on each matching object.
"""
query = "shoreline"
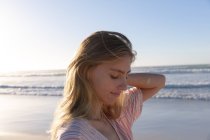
(26, 114)
(22, 136)
(29, 117)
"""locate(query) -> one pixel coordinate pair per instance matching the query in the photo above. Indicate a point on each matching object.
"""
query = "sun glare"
(6, 35)
(12, 41)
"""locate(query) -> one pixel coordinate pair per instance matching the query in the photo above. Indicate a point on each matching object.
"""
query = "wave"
(167, 95)
(192, 91)
(172, 86)
(31, 94)
(184, 71)
(35, 74)
(189, 86)
(174, 69)
(31, 90)
(184, 96)
(31, 87)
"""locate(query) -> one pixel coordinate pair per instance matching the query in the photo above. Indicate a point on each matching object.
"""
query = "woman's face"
(109, 79)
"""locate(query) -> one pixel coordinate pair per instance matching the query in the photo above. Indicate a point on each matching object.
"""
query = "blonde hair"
(79, 98)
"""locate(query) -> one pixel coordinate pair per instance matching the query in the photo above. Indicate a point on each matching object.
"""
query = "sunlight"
(7, 40)
(13, 44)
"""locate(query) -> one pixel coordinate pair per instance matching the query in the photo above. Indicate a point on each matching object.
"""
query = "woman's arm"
(150, 84)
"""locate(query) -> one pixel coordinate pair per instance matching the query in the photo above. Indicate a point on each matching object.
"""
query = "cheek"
(102, 85)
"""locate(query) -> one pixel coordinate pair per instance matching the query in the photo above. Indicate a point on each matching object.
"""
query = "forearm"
(149, 84)
(146, 80)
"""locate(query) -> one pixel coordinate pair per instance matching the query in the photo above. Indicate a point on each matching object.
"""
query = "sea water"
(182, 82)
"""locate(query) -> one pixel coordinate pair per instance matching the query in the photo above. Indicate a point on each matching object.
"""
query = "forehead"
(123, 64)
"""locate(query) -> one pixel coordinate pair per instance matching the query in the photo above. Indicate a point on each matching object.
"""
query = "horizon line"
(54, 69)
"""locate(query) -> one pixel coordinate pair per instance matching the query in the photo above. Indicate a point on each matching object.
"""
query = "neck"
(96, 113)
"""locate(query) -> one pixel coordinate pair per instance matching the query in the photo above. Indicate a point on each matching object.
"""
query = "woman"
(97, 104)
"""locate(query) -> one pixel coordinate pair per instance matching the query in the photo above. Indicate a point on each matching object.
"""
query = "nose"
(123, 85)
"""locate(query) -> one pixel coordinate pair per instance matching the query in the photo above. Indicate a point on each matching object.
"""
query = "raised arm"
(149, 83)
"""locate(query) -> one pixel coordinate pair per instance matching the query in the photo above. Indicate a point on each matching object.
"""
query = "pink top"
(80, 129)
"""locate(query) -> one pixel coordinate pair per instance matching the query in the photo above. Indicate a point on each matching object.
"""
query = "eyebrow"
(120, 71)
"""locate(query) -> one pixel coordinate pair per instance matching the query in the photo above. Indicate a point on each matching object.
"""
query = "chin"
(110, 103)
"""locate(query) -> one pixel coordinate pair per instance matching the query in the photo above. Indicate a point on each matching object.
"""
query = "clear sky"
(44, 34)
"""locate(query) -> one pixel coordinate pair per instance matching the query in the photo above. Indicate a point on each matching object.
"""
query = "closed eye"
(114, 77)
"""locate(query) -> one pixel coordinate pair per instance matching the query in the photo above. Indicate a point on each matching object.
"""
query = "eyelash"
(116, 77)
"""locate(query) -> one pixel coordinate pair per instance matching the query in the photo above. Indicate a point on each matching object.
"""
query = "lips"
(116, 93)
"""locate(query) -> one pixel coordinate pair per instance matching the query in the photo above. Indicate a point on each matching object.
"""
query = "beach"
(22, 136)
(179, 111)
(26, 117)
(173, 119)
(29, 118)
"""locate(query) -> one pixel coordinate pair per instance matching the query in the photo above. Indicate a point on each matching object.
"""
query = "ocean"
(179, 111)
(182, 82)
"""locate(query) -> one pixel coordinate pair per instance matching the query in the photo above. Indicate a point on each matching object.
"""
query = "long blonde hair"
(79, 98)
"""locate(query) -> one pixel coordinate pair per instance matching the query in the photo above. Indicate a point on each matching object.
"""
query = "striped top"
(81, 129)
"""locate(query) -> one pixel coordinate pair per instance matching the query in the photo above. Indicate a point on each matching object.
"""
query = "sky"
(45, 34)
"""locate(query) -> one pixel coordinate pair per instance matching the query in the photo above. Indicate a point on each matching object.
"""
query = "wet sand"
(29, 118)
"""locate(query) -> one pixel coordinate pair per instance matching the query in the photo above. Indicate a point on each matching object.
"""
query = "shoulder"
(77, 129)
(134, 95)
(132, 107)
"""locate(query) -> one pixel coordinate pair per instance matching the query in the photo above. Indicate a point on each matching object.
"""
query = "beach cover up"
(81, 129)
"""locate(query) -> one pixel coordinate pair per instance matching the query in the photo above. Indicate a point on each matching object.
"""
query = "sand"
(29, 118)
(22, 136)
